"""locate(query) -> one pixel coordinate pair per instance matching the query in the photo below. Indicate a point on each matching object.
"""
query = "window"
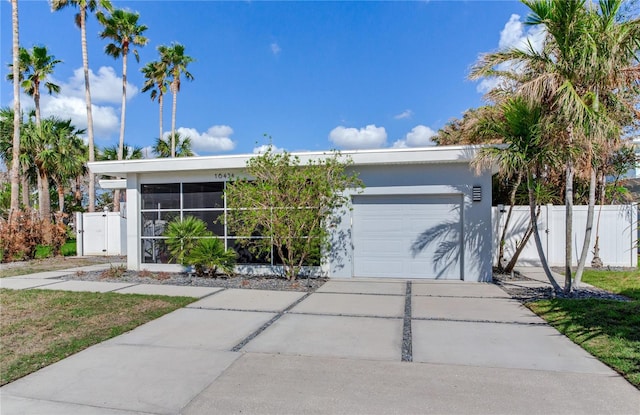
(162, 203)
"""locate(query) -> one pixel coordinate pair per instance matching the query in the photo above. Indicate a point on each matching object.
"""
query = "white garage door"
(412, 236)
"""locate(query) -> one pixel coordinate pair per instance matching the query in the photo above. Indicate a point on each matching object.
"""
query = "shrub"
(42, 251)
(183, 236)
(25, 230)
(69, 248)
(190, 243)
(209, 256)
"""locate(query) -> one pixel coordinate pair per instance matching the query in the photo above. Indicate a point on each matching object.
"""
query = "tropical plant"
(183, 235)
(291, 205)
(182, 146)
(49, 147)
(176, 62)
(209, 257)
(584, 78)
(110, 153)
(70, 158)
(35, 65)
(123, 29)
(523, 155)
(98, 7)
(155, 74)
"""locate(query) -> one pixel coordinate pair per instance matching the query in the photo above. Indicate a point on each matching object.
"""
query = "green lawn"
(609, 330)
(41, 327)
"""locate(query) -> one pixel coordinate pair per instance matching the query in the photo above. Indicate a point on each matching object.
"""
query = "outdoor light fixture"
(477, 194)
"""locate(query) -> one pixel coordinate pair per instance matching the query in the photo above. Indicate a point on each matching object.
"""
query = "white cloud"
(514, 35)
(105, 119)
(353, 138)
(263, 149)
(404, 114)
(215, 139)
(419, 136)
(275, 48)
(106, 86)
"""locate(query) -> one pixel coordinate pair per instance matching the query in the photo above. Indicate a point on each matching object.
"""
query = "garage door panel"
(386, 227)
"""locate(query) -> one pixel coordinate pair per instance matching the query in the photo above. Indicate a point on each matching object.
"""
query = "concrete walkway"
(356, 346)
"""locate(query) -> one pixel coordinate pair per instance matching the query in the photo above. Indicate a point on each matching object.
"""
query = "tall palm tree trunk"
(503, 236)
(568, 203)
(161, 105)
(87, 96)
(116, 193)
(589, 228)
(173, 121)
(60, 190)
(596, 262)
(45, 207)
(15, 165)
(24, 179)
(536, 235)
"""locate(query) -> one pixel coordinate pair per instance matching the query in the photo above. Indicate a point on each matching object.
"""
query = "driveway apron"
(354, 346)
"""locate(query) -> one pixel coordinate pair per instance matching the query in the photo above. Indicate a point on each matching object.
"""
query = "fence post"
(79, 234)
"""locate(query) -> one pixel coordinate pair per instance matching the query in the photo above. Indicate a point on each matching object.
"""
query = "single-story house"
(424, 213)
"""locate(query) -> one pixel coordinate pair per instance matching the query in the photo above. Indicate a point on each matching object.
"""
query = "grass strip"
(608, 329)
(41, 327)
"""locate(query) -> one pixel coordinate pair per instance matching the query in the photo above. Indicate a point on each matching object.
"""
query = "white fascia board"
(425, 155)
(113, 183)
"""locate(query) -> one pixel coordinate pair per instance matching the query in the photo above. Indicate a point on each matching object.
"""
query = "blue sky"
(313, 75)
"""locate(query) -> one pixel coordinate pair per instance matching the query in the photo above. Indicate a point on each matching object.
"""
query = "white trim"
(425, 155)
(113, 183)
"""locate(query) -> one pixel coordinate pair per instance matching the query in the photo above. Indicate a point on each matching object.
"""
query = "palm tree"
(178, 147)
(35, 65)
(176, 61)
(70, 156)
(111, 153)
(122, 27)
(523, 155)
(6, 153)
(14, 174)
(81, 20)
(155, 74)
(569, 78)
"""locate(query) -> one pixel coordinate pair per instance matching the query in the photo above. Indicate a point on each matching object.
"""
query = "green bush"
(43, 251)
(208, 256)
(183, 235)
(69, 248)
(190, 243)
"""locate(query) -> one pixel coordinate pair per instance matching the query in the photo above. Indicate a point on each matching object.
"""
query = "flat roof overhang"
(424, 155)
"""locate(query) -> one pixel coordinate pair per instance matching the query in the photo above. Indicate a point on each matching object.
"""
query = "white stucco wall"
(434, 179)
(435, 170)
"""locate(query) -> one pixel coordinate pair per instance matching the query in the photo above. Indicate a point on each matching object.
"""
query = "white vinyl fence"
(618, 234)
(101, 233)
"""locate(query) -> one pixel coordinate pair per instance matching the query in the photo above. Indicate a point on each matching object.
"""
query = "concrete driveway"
(356, 346)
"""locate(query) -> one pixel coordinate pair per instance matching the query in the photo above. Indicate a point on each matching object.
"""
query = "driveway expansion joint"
(352, 293)
(407, 340)
(462, 320)
(266, 325)
(302, 313)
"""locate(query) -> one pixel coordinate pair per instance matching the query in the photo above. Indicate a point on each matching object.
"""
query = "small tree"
(290, 205)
